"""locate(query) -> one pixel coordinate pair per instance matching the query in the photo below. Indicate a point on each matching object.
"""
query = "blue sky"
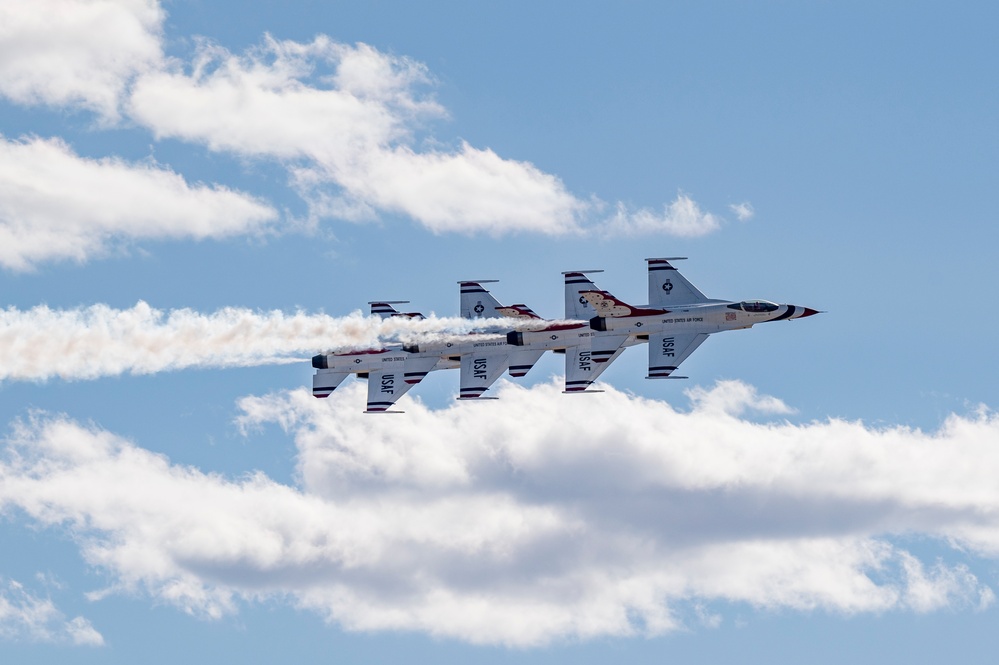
(192, 194)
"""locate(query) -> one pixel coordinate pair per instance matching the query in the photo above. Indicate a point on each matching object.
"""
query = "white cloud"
(73, 52)
(352, 126)
(98, 340)
(56, 205)
(743, 211)
(347, 121)
(25, 616)
(533, 518)
(682, 218)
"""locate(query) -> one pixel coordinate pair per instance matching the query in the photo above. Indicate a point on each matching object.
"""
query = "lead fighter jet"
(676, 321)
(679, 317)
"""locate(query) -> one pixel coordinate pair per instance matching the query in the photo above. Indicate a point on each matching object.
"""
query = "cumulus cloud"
(682, 218)
(534, 518)
(349, 122)
(346, 117)
(25, 616)
(743, 211)
(68, 52)
(56, 205)
(348, 136)
(96, 341)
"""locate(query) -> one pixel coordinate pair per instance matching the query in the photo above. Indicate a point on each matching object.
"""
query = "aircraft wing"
(325, 381)
(668, 350)
(522, 360)
(584, 363)
(416, 369)
(478, 371)
(385, 387)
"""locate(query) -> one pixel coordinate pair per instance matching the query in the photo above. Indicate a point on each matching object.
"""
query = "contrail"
(98, 340)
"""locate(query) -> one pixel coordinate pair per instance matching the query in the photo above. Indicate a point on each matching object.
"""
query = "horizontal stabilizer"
(385, 310)
(521, 361)
(580, 392)
(325, 382)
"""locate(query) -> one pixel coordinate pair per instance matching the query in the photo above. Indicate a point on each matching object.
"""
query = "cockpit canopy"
(755, 306)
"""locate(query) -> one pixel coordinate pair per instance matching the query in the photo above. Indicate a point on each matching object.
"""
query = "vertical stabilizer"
(476, 302)
(668, 288)
(576, 306)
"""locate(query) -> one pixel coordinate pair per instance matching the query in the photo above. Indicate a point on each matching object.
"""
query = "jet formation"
(596, 329)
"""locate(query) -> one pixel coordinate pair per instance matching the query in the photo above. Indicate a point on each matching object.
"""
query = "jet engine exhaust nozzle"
(319, 362)
(598, 323)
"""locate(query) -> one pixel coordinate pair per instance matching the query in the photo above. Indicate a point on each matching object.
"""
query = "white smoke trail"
(98, 340)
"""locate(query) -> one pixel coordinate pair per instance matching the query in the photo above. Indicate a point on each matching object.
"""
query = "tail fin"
(476, 302)
(576, 306)
(668, 288)
(384, 309)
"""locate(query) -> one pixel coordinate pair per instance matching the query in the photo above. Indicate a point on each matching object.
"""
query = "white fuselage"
(451, 349)
(561, 336)
(707, 318)
(374, 360)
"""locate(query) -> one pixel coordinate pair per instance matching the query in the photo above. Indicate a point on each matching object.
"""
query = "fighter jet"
(476, 302)
(482, 357)
(390, 370)
(596, 329)
(587, 352)
(678, 320)
(393, 370)
(679, 317)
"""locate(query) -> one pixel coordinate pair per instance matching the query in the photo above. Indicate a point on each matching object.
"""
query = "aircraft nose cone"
(808, 312)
